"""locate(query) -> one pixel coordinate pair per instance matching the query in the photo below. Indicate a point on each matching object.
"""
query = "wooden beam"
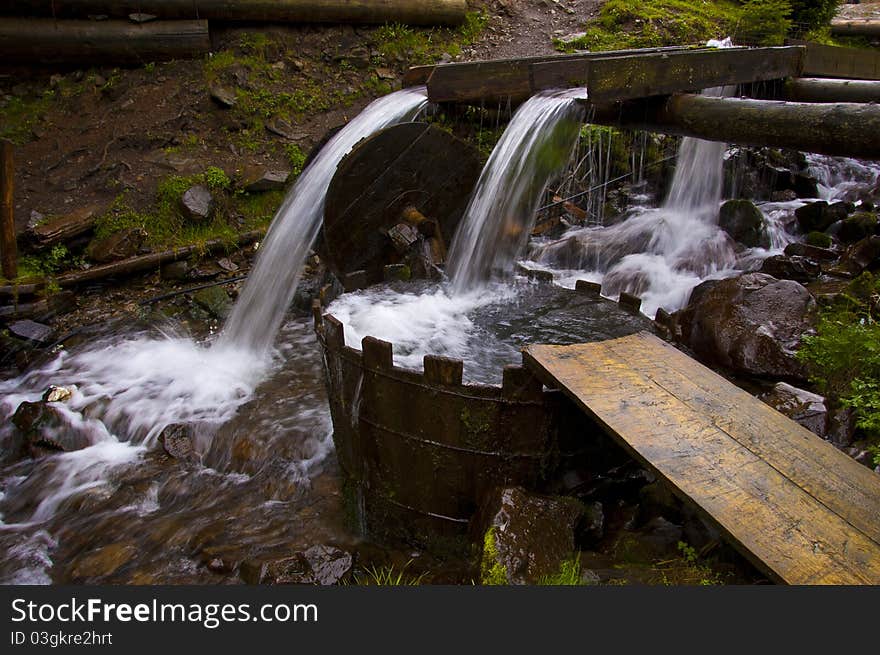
(415, 12)
(8, 247)
(501, 79)
(833, 61)
(643, 75)
(856, 27)
(817, 89)
(801, 510)
(44, 40)
(840, 129)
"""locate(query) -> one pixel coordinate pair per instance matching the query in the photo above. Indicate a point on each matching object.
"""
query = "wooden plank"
(833, 61)
(642, 75)
(502, 79)
(8, 246)
(716, 447)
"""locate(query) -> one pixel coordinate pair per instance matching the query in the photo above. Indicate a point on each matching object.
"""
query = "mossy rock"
(818, 239)
(857, 227)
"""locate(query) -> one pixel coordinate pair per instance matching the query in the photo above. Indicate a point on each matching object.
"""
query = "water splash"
(269, 288)
(499, 218)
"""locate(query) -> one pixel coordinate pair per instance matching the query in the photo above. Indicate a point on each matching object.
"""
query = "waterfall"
(499, 218)
(268, 291)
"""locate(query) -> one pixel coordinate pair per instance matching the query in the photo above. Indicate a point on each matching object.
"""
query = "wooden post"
(8, 248)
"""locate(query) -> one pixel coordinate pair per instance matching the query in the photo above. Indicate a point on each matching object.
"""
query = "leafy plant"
(569, 574)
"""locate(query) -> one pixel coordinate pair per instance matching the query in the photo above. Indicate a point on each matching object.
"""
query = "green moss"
(491, 570)
(257, 209)
(296, 157)
(425, 46)
(818, 239)
(18, 116)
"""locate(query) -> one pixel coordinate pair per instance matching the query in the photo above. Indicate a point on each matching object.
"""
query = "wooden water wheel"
(409, 182)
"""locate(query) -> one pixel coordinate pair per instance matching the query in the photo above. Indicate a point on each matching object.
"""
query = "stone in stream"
(811, 251)
(744, 222)
(31, 331)
(750, 324)
(525, 536)
(860, 257)
(857, 227)
(176, 440)
(799, 405)
(44, 428)
(119, 245)
(806, 186)
(819, 215)
(197, 203)
(784, 267)
(318, 565)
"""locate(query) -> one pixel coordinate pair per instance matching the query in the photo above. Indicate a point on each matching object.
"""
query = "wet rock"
(656, 499)
(177, 441)
(119, 245)
(227, 265)
(842, 427)
(103, 561)
(526, 536)
(213, 300)
(820, 215)
(31, 331)
(799, 405)
(860, 257)
(750, 324)
(282, 128)
(857, 227)
(175, 270)
(256, 180)
(786, 195)
(660, 537)
(319, 565)
(811, 251)
(45, 429)
(56, 394)
(743, 221)
(784, 267)
(223, 96)
(592, 525)
(806, 186)
(197, 203)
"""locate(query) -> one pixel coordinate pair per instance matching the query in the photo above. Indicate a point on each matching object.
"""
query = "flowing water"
(257, 414)
(499, 218)
(272, 282)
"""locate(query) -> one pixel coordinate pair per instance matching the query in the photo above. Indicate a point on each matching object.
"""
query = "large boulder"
(527, 537)
(857, 227)
(744, 222)
(819, 215)
(860, 257)
(750, 324)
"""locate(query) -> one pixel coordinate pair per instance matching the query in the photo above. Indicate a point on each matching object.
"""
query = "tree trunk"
(44, 40)
(840, 129)
(808, 89)
(415, 12)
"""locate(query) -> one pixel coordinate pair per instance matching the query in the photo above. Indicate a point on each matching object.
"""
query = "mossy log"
(415, 12)
(828, 90)
(840, 129)
(48, 41)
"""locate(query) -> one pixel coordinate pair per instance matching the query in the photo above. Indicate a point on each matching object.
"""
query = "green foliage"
(296, 157)
(844, 355)
(388, 576)
(216, 179)
(424, 46)
(18, 115)
(49, 263)
(569, 574)
(812, 14)
(764, 22)
(491, 570)
(688, 552)
(818, 239)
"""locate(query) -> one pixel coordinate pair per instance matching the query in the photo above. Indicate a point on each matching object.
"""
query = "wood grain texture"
(834, 61)
(799, 509)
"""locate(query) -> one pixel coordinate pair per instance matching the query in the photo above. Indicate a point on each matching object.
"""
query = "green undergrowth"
(424, 46)
(625, 24)
(165, 224)
(844, 355)
(569, 574)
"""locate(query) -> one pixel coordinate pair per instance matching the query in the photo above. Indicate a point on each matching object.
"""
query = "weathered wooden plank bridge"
(799, 509)
(800, 97)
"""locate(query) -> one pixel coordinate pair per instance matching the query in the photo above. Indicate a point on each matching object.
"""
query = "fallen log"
(48, 41)
(415, 12)
(856, 27)
(809, 89)
(146, 262)
(840, 129)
